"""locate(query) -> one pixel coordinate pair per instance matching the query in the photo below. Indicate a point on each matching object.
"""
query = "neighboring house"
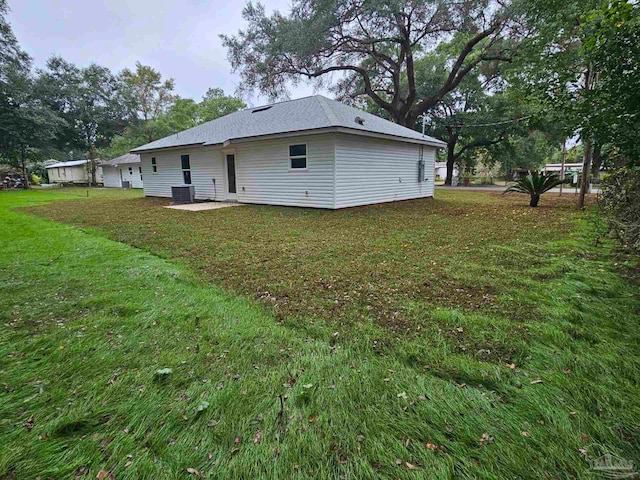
(125, 168)
(310, 152)
(441, 171)
(556, 167)
(74, 171)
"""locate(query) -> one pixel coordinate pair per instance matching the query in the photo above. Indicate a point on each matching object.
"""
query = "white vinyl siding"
(263, 173)
(375, 170)
(342, 171)
(111, 176)
(206, 164)
(73, 174)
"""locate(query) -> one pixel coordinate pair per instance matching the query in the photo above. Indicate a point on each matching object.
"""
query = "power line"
(492, 124)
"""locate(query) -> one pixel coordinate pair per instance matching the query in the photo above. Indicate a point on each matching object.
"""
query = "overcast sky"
(178, 38)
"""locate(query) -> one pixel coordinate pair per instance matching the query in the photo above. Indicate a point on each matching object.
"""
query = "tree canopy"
(372, 43)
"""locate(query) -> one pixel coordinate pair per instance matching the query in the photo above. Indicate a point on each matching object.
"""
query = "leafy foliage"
(182, 114)
(373, 45)
(620, 202)
(149, 95)
(535, 184)
(612, 44)
(26, 124)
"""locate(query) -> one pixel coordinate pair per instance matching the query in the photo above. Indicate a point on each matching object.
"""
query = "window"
(130, 171)
(154, 167)
(298, 156)
(186, 169)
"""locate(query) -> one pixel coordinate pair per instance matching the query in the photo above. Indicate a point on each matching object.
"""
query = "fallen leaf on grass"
(102, 474)
(524, 434)
(237, 441)
(402, 395)
(431, 446)
(29, 423)
(410, 466)
(128, 464)
(584, 437)
(257, 437)
(566, 371)
(195, 472)
(312, 419)
(486, 438)
(537, 380)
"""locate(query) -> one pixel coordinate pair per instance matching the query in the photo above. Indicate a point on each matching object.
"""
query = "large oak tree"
(374, 43)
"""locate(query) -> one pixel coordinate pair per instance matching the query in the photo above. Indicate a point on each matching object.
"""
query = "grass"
(398, 341)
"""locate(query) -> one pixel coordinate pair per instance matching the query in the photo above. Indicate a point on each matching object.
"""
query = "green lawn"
(467, 336)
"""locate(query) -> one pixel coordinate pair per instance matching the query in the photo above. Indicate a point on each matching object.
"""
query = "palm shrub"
(535, 184)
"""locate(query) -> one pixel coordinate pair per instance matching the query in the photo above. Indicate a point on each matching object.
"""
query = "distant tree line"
(65, 112)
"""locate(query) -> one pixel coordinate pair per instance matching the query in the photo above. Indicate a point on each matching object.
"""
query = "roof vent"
(261, 109)
(359, 120)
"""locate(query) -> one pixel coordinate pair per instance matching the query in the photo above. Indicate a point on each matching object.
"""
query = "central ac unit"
(183, 194)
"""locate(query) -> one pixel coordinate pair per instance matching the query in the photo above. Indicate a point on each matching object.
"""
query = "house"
(123, 169)
(74, 171)
(309, 152)
(441, 171)
(556, 167)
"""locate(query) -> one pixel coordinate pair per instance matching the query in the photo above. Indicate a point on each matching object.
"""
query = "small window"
(154, 167)
(130, 171)
(186, 169)
(298, 156)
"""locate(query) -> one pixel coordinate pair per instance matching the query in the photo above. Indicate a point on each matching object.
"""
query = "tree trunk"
(92, 165)
(534, 200)
(589, 80)
(23, 161)
(597, 160)
(451, 157)
(584, 179)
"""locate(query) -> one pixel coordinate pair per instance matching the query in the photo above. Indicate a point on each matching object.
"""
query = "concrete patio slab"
(200, 207)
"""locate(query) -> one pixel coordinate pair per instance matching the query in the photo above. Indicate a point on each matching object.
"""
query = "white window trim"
(154, 171)
(306, 157)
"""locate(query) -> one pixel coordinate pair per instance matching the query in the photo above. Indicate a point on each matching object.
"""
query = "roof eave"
(334, 129)
(312, 131)
(139, 150)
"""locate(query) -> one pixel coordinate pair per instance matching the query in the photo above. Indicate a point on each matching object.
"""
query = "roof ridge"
(277, 103)
(328, 111)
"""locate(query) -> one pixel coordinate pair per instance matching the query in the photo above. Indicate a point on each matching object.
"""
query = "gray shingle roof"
(309, 113)
(123, 160)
